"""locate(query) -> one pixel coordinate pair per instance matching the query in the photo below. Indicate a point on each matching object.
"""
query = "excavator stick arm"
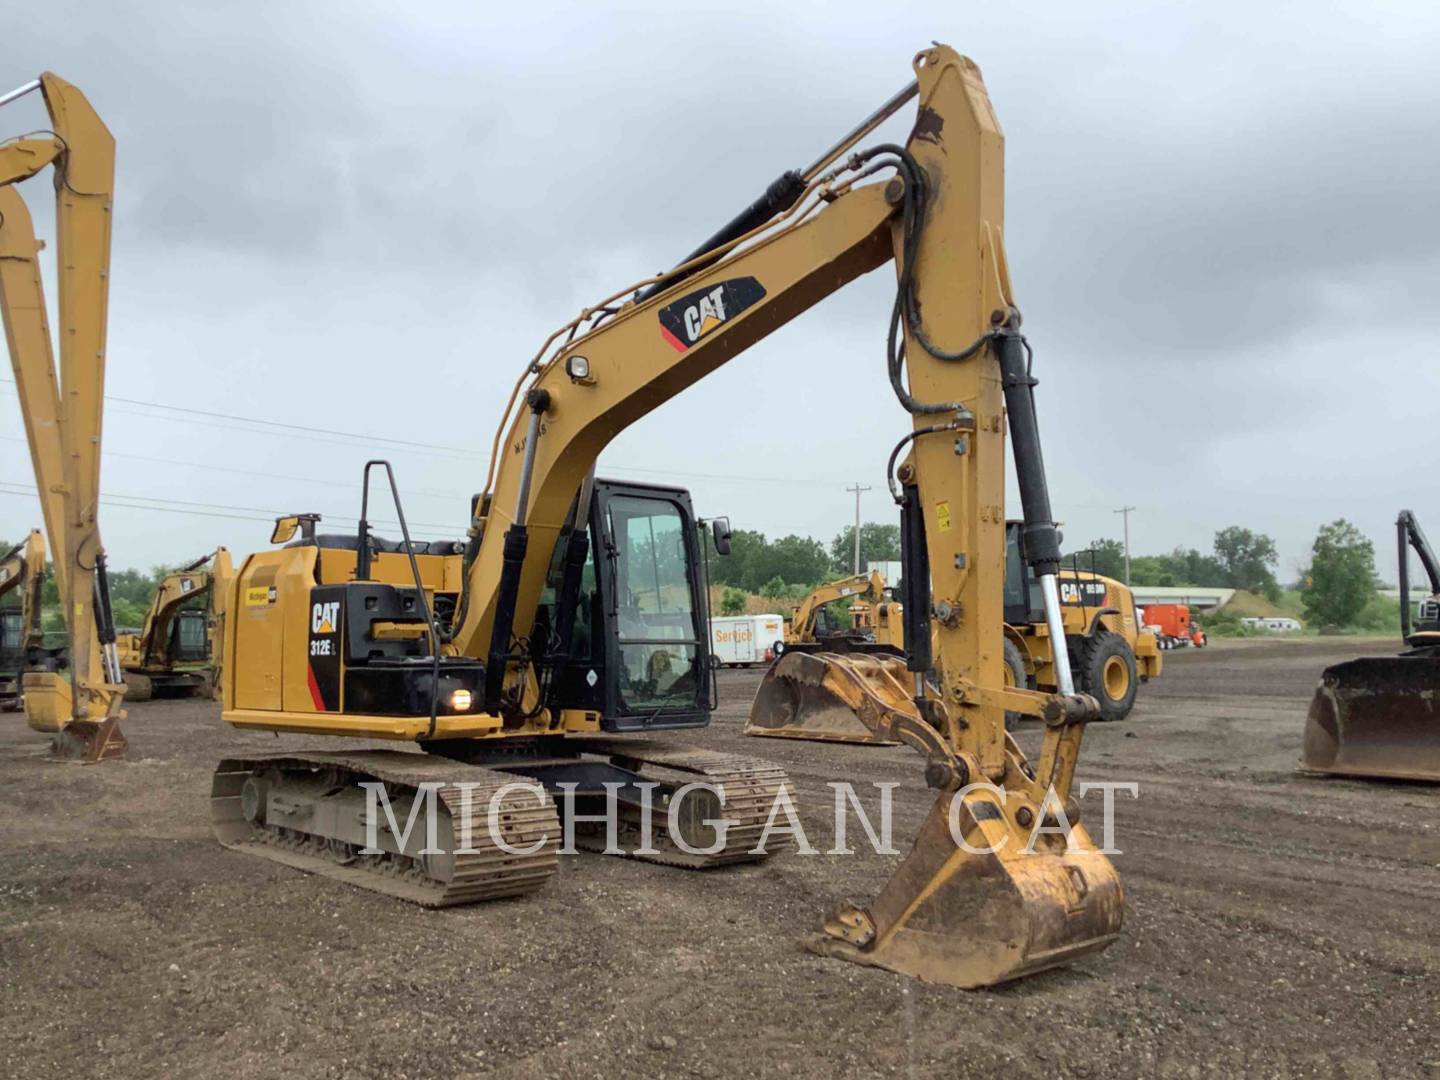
(63, 416)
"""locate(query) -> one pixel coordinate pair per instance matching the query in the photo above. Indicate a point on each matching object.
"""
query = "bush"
(732, 602)
(775, 588)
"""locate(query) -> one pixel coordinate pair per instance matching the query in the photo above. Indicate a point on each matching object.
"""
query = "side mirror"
(720, 531)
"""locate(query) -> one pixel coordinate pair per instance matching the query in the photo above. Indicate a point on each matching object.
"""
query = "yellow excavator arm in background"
(24, 569)
(869, 587)
(63, 417)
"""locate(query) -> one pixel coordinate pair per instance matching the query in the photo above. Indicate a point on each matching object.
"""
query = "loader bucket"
(987, 916)
(804, 696)
(1377, 717)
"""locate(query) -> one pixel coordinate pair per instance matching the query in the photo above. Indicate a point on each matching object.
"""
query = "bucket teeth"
(984, 916)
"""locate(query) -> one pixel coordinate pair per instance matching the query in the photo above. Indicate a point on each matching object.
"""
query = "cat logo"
(695, 315)
(324, 616)
(1082, 593)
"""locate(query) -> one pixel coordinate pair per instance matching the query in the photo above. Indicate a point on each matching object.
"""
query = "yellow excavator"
(22, 570)
(1109, 652)
(1377, 717)
(177, 651)
(567, 631)
(803, 626)
(73, 694)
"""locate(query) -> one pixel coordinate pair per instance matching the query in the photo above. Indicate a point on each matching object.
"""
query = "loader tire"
(1105, 669)
(1015, 676)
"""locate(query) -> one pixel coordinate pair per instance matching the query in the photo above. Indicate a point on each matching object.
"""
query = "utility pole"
(857, 490)
(1124, 511)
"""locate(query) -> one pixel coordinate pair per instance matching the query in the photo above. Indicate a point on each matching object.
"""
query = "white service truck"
(742, 640)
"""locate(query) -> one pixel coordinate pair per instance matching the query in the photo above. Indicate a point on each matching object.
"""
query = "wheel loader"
(1108, 652)
(548, 650)
(1378, 717)
(177, 651)
(22, 571)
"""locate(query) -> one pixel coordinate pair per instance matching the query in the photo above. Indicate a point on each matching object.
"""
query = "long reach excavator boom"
(574, 611)
(79, 705)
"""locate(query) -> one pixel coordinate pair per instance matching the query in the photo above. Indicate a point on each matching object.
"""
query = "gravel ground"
(1276, 925)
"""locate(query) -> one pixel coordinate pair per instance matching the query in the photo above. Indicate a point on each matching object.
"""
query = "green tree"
(1104, 557)
(732, 601)
(745, 547)
(1248, 560)
(800, 560)
(1341, 580)
(1183, 566)
(878, 543)
(774, 589)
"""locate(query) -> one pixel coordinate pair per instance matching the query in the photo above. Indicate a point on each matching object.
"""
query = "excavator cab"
(1379, 716)
(624, 630)
(189, 637)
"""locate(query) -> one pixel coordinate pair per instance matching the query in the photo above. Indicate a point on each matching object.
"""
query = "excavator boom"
(63, 417)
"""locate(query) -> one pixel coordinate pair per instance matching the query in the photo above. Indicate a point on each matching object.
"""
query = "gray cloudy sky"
(363, 217)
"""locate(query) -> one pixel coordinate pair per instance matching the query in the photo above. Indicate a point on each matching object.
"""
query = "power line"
(295, 431)
(447, 496)
(308, 429)
(150, 502)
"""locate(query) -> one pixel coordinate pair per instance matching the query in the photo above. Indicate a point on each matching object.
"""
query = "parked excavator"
(73, 693)
(1109, 653)
(1379, 716)
(804, 625)
(570, 626)
(177, 651)
(22, 571)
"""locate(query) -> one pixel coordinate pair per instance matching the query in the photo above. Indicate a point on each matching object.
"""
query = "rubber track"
(751, 785)
(485, 873)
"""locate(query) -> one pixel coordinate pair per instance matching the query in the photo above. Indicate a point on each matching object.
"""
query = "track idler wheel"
(987, 916)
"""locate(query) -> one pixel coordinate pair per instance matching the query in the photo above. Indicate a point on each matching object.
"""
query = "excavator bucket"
(1377, 717)
(987, 915)
(814, 695)
(48, 709)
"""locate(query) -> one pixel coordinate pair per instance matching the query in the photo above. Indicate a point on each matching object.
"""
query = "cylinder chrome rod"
(1054, 620)
(20, 91)
(869, 124)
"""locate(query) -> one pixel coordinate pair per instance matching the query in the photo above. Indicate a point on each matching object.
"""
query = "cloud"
(1220, 222)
